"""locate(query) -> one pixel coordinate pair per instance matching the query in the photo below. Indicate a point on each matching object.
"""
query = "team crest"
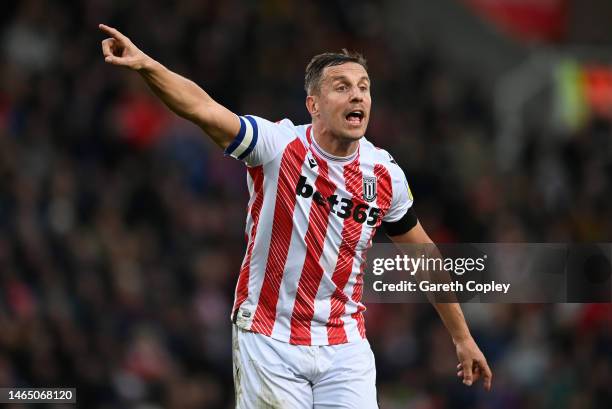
(369, 188)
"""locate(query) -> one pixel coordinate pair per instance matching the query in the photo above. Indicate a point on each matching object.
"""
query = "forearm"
(185, 98)
(181, 95)
(449, 312)
(472, 363)
(453, 320)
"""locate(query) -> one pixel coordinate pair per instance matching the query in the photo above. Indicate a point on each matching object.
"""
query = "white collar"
(329, 156)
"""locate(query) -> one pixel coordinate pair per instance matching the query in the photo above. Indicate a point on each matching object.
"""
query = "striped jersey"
(311, 218)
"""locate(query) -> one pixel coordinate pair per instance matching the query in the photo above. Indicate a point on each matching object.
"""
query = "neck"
(331, 143)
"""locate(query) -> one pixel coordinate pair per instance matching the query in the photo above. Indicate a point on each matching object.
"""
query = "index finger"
(113, 32)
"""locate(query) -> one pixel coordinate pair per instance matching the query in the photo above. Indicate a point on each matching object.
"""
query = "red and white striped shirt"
(311, 218)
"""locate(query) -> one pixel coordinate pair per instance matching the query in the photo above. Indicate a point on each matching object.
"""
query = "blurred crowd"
(122, 226)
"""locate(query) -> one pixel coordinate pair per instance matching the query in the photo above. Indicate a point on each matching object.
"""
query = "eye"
(341, 88)
(364, 88)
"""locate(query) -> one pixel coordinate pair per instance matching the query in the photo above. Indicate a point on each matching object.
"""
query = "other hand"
(472, 364)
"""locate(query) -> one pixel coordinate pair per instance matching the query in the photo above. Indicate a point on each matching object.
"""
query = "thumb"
(112, 59)
(467, 372)
(120, 61)
(132, 62)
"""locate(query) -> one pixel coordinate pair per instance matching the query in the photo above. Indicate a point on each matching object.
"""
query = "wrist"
(148, 65)
(462, 338)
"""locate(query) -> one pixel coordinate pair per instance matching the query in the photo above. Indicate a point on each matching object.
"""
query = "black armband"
(403, 225)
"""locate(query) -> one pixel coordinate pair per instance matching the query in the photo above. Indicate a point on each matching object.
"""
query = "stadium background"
(121, 227)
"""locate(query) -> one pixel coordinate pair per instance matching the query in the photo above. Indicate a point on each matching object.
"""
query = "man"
(317, 194)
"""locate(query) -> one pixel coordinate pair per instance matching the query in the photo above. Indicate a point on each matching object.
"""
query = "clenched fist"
(119, 50)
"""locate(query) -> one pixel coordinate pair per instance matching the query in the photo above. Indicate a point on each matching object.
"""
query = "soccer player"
(318, 193)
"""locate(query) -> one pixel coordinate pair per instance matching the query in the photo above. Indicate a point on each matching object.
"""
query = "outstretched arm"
(182, 96)
(472, 363)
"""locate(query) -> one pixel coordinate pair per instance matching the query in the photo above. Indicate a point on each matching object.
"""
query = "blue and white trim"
(245, 141)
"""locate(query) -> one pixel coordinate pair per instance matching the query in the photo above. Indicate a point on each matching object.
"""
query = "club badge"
(369, 188)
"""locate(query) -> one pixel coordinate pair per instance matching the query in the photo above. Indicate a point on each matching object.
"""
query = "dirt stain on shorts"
(266, 399)
(236, 361)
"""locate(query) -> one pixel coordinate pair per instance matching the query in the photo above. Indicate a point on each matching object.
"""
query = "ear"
(312, 105)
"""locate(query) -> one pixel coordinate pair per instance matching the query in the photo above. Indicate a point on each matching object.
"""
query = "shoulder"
(258, 121)
(301, 132)
(378, 156)
(285, 127)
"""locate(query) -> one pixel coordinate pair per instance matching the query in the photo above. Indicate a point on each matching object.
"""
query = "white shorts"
(277, 375)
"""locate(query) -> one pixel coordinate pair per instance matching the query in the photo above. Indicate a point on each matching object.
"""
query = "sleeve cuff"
(244, 143)
(403, 225)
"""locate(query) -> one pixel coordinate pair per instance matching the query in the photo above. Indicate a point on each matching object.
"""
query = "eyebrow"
(345, 78)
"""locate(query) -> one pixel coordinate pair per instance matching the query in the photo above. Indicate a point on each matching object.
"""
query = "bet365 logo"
(342, 207)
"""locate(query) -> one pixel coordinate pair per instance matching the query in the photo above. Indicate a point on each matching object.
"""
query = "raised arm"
(181, 95)
(472, 363)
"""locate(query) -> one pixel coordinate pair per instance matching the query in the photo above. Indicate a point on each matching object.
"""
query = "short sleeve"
(402, 196)
(259, 140)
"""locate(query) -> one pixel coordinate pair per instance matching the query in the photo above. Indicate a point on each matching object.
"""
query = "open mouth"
(355, 117)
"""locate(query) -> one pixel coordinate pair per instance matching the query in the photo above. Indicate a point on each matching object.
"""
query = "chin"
(354, 136)
(354, 133)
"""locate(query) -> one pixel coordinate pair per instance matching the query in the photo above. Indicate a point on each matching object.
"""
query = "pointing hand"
(119, 50)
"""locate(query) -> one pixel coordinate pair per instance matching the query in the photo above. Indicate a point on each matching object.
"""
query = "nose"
(356, 95)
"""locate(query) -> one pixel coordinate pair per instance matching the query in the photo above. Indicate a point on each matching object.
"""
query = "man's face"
(343, 101)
